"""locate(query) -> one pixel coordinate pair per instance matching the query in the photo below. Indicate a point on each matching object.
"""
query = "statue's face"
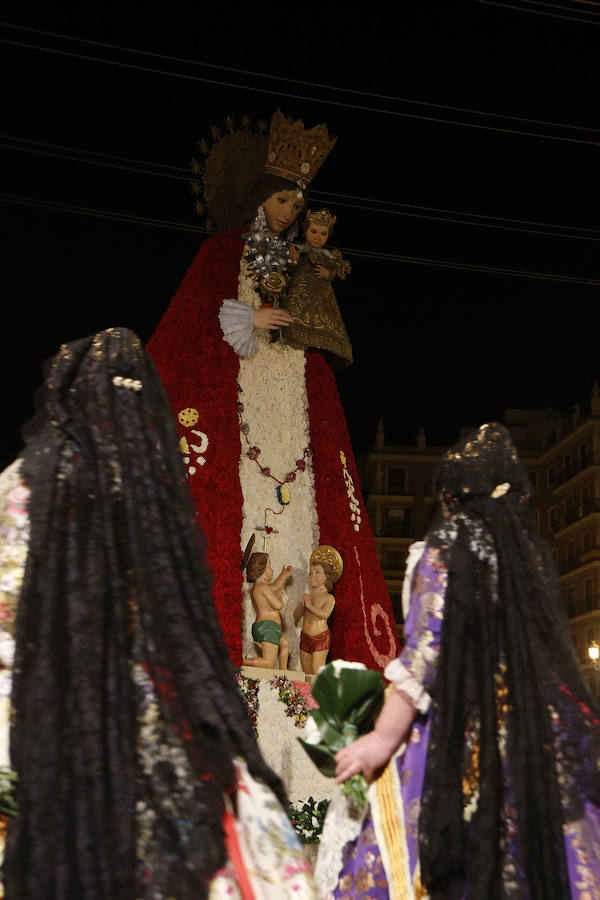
(316, 576)
(316, 235)
(282, 208)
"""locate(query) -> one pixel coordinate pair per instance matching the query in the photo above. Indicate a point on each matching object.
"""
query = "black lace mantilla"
(127, 718)
(491, 823)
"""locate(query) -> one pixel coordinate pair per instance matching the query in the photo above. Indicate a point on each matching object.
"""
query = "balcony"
(400, 489)
(593, 459)
(583, 606)
(396, 530)
(569, 563)
(584, 509)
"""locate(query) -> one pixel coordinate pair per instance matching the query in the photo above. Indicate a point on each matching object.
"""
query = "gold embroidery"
(317, 319)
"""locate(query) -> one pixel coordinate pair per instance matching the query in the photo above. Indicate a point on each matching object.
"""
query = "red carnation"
(291, 476)
(253, 452)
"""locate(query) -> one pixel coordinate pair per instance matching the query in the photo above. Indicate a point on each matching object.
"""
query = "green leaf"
(351, 697)
(322, 757)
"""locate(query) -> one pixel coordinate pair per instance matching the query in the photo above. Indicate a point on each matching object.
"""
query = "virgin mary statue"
(262, 429)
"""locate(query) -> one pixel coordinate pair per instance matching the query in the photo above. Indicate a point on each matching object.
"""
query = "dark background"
(434, 346)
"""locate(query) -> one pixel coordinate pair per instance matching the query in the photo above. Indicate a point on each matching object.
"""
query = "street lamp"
(594, 654)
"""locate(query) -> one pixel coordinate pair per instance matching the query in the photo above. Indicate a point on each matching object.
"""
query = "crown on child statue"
(294, 152)
(327, 554)
(321, 217)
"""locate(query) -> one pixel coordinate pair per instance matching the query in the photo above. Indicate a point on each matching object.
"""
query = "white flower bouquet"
(349, 697)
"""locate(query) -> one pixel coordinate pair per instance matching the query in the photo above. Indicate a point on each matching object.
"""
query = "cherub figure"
(266, 630)
(316, 607)
(310, 300)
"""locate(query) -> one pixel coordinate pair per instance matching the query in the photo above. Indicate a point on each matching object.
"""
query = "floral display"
(290, 402)
(248, 688)
(279, 711)
(271, 390)
(294, 701)
(308, 819)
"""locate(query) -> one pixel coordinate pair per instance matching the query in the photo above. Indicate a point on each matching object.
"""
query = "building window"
(590, 637)
(588, 589)
(553, 519)
(584, 454)
(551, 476)
(397, 523)
(396, 600)
(571, 510)
(396, 480)
(572, 603)
(533, 478)
(394, 559)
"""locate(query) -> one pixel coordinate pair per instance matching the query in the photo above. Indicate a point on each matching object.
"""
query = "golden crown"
(321, 217)
(326, 554)
(294, 152)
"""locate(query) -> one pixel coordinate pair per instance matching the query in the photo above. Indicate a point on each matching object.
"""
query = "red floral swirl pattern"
(355, 635)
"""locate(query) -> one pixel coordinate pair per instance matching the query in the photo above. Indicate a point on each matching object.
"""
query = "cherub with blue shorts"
(266, 630)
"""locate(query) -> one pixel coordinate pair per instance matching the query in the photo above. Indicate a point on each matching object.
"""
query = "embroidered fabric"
(235, 319)
(342, 826)
(14, 538)
(403, 681)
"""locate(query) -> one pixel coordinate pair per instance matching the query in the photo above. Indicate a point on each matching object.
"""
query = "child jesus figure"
(315, 609)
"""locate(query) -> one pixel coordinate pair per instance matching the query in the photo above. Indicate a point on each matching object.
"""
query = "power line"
(296, 81)
(320, 100)
(470, 267)
(590, 12)
(141, 162)
(390, 208)
(537, 12)
(350, 251)
(93, 162)
(56, 206)
(447, 221)
(453, 211)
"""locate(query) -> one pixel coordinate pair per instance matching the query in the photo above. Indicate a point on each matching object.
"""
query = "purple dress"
(383, 863)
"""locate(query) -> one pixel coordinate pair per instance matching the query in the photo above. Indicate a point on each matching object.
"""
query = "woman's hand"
(365, 755)
(271, 318)
(372, 751)
(322, 272)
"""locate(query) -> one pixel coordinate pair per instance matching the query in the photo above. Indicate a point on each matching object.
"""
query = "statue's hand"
(270, 318)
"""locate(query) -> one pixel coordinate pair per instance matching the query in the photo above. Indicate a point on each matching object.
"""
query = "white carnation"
(339, 664)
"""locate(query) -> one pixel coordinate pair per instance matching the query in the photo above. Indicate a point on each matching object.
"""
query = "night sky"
(434, 345)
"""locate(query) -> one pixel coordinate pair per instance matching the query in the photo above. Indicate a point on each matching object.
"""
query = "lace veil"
(126, 716)
(515, 736)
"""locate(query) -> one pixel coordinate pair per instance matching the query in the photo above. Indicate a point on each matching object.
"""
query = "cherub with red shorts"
(316, 607)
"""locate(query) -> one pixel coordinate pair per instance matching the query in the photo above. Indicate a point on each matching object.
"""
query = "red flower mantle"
(200, 370)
